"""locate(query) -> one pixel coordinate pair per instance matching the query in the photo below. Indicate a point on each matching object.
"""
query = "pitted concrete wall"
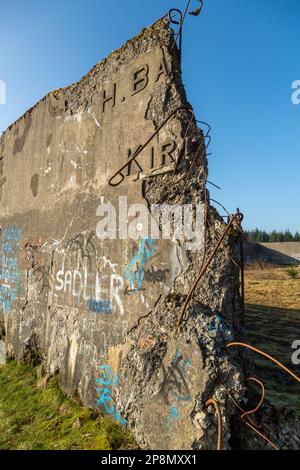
(103, 313)
(63, 283)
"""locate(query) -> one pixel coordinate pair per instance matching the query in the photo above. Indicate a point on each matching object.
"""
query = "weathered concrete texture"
(291, 249)
(103, 313)
(279, 254)
(282, 425)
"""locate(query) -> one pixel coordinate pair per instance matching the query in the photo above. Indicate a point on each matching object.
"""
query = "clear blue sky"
(240, 58)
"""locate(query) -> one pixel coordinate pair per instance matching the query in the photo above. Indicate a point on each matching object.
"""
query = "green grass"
(32, 418)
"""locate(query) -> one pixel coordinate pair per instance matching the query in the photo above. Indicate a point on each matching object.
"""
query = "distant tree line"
(261, 236)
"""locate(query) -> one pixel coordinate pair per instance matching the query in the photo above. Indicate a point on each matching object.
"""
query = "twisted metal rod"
(248, 421)
(140, 149)
(262, 353)
(233, 218)
(248, 413)
(212, 402)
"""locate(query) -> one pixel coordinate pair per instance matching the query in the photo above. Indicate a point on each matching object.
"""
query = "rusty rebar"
(197, 11)
(248, 421)
(233, 219)
(212, 402)
(250, 412)
(215, 185)
(179, 33)
(204, 152)
(137, 153)
(206, 124)
(262, 353)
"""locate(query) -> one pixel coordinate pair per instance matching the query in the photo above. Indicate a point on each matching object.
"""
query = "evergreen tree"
(261, 236)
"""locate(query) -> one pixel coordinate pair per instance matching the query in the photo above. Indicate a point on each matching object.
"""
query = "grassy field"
(272, 287)
(273, 324)
(32, 418)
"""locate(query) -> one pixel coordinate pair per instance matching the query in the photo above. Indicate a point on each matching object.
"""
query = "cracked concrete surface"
(65, 298)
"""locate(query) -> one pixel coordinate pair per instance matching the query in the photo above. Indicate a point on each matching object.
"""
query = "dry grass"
(272, 325)
(272, 287)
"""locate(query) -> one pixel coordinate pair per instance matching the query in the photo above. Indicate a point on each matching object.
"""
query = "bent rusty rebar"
(204, 152)
(212, 402)
(262, 353)
(206, 124)
(248, 421)
(232, 220)
(250, 412)
(179, 33)
(215, 185)
(242, 267)
(137, 153)
(169, 16)
(197, 11)
(182, 17)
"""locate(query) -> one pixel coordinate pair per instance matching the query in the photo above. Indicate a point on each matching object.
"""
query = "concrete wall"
(103, 314)
(58, 279)
(280, 254)
(291, 249)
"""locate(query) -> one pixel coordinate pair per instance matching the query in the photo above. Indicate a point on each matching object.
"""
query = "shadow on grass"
(274, 330)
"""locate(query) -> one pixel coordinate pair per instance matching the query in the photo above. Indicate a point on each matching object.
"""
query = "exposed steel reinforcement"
(212, 402)
(262, 353)
(233, 218)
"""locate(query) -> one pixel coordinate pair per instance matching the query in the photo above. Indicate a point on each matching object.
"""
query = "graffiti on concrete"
(106, 382)
(72, 282)
(10, 274)
(92, 287)
(174, 384)
(173, 417)
(84, 246)
(151, 276)
(217, 325)
(100, 306)
(156, 275)
(38, 271)
(80, 285)
(128, 292)
(134, 272)
(44, 277)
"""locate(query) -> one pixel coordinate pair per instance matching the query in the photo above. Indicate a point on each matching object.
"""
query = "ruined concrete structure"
(103, 314)
(278, 253)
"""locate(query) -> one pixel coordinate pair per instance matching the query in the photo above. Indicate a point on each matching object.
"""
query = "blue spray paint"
(217, 324)
(9, 274)
(175, 385)
(135, 276)
(174, 417)
(108, 382)
(101, 306)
